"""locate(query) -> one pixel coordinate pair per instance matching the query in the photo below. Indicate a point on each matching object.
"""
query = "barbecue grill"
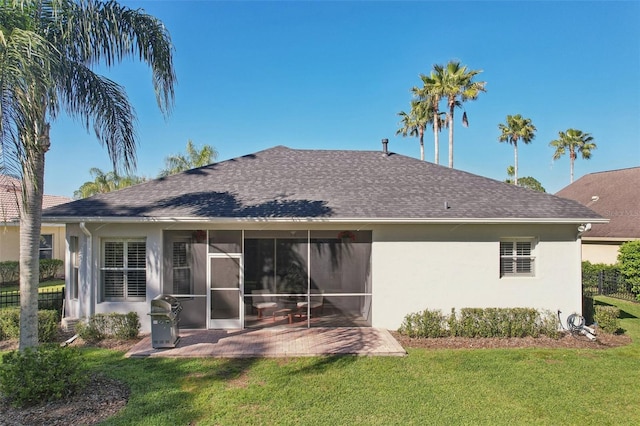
(165, 316)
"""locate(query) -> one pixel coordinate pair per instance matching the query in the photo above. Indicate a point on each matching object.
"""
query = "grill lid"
(165, 304)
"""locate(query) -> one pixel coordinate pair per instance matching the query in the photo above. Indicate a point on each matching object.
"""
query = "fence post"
(600, 281)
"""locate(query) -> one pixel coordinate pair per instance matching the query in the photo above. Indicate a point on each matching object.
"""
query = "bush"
(101, 326)
(629, 264)
(607, 318)
(48, 325)
(49, 268)
(478, 322)
(499, 322)
(39, 374)
(424, 324)
(10, 324)
(9, 272)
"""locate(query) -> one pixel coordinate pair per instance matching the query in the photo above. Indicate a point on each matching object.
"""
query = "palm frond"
(98, 100)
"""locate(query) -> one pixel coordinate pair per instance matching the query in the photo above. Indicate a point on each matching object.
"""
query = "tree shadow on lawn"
(623, 314)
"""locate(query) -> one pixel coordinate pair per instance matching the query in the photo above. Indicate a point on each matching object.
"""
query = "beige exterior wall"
(414, 267)
(457, 266)
(600, 252)
(10, 241)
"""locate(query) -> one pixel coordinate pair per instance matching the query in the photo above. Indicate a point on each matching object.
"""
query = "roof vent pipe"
(385, 142)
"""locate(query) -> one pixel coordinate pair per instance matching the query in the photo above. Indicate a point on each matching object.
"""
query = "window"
(517, 258)
(123, 271)
(182, 283)
(74, 250)
(46, 246)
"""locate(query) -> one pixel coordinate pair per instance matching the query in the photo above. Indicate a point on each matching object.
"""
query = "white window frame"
(124, 269)
(74, 260)
(514, 257)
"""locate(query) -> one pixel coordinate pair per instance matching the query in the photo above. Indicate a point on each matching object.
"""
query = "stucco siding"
(414, 267)
(10, 241)
(448, 266)
(600, 252)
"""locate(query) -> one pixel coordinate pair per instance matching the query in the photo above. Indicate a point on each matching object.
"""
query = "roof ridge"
(614, 170)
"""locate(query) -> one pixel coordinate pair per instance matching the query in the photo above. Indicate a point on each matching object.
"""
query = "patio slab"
(276, 343)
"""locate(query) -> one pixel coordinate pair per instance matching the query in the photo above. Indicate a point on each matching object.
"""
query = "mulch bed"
(567, 340)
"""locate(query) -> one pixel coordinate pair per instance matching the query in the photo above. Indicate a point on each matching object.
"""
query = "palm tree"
(454, 82)
(525, 182)
(194, 158)
(414, 123)
(517, 128)
(431, 96)
(48, 49)
(575, 141)
(105, 182)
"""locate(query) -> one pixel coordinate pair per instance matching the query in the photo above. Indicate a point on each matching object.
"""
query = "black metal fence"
(608, 283)
(47, 299)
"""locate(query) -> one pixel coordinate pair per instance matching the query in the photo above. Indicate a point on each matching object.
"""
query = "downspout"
(87, 233)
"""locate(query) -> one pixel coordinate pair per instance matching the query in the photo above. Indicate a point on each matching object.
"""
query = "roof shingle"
(333, 184)
(613, 194)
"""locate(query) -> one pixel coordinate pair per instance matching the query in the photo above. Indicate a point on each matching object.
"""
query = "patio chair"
(316, 302)
(262, 301)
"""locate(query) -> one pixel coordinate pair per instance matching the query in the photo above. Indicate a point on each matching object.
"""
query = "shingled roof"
(11, 200)
(329, 185)
(614, 195)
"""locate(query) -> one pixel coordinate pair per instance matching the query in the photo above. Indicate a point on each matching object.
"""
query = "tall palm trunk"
(30, 224)
(515, 161)
(421, 134)
(436, 129)
(572, 157)
(452, 106)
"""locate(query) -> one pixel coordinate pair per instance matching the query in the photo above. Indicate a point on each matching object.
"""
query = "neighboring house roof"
(326, 185)
(11, 200)
(614, 195)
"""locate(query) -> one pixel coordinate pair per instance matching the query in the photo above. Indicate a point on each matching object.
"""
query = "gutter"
(397, 221)
(87, 233)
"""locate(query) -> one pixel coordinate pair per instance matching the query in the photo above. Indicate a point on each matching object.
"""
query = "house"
(321, 238)
(52, 238)
(615, 195)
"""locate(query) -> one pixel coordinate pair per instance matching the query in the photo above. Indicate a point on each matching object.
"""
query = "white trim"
(533, 243)
(347, 220)
(609, 239)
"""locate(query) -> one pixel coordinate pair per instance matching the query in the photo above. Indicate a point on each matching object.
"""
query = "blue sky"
(334, 75)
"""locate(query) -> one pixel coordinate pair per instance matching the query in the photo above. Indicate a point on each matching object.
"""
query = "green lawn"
(49, 285)
(485, 386)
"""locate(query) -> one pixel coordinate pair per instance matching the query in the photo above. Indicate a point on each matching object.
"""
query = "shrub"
(549, 325)
(9, 272)
(478, 322)
(45, 373)
(607, 318)
(424, 324)
(48, 325)
(629, 264)
(10, 324)
(49, 268)
(101, 326)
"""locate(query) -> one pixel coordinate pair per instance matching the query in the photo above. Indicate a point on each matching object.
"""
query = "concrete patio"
(276, 342)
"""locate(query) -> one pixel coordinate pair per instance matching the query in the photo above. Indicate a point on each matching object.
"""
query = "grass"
(486, 386)
(49, 285)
